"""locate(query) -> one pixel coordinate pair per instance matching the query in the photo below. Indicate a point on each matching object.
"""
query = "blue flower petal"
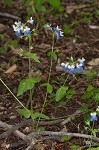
(18, 33)
(93, 118)
(26, 32)
(64, 68)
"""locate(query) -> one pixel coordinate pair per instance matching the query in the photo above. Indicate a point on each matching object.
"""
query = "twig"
(16, 132)
(7, 15)
(51, 133)
(70, 117)
(24, 123)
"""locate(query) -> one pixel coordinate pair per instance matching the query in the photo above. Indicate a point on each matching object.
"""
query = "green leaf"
(49, 88)
(62, 103)
(90, 88)
(36, 79)
(87, 119)
(96, 90)
(68, 97)
(96, 97)
(66, 138)
(34, 57)
(1, 36)
(69, 94)
(27, 2)
(74, 147)
(91, 74)
(38, 4)
(93, 148)
(87, 95)
(13, 43)
(24, 112)
(7, 2)
(84, 108)
(61, 92)
(61, 8)
(44, 84)
(54, 3)
(53, 54)
(39, 115)
(25, 85)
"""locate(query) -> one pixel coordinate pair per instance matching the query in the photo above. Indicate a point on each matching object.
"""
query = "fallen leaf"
(94, 62)
(70, 9)
(93, 27)
(3, 28)
(11, 69)
(14, 50)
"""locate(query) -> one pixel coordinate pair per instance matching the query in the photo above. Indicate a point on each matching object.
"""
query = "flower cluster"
(20, 28)
(93, 115)
(56, 30)
(73, 67)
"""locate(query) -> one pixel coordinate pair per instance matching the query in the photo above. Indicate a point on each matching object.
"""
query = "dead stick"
(70, 117)
(16, 132)
(51, 133)
(24, 123)
(7, 15)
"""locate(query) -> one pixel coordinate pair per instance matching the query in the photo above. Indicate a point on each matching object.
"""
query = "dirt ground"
(81, 41)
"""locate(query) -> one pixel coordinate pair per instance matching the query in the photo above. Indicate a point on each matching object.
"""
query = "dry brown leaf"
(70, 9)
(14, 50)
(43, 45)
(11, 69)
(94, 62)
(2, 28)
(93, 27)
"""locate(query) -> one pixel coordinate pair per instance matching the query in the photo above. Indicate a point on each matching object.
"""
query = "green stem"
(31, 102)
(12, 94)
(49, 76)
(66, 80)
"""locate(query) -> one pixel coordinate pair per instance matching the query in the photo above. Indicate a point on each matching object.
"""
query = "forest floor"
(81, 39)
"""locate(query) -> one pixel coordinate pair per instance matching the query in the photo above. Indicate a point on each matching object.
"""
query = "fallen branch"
(22, 124)
(51, 133)
(70, 117)
(16, 132)
(7, 15)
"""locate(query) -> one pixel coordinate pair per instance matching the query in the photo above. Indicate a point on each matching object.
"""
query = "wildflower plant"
(71, 67)
(91, 120)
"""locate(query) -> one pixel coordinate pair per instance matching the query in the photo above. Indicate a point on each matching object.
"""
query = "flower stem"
(31, 100)
(30, 71)
(49, 76)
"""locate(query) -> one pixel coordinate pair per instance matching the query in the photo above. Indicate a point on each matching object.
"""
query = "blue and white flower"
(81, 60)
(58, 32)
(26, 31)
(48, 27)
(93, 116)
(17, 28)
(73, 67)
(65, 66)
(31, 21)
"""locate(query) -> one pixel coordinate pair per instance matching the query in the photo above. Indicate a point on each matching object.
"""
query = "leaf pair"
(27, 114)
